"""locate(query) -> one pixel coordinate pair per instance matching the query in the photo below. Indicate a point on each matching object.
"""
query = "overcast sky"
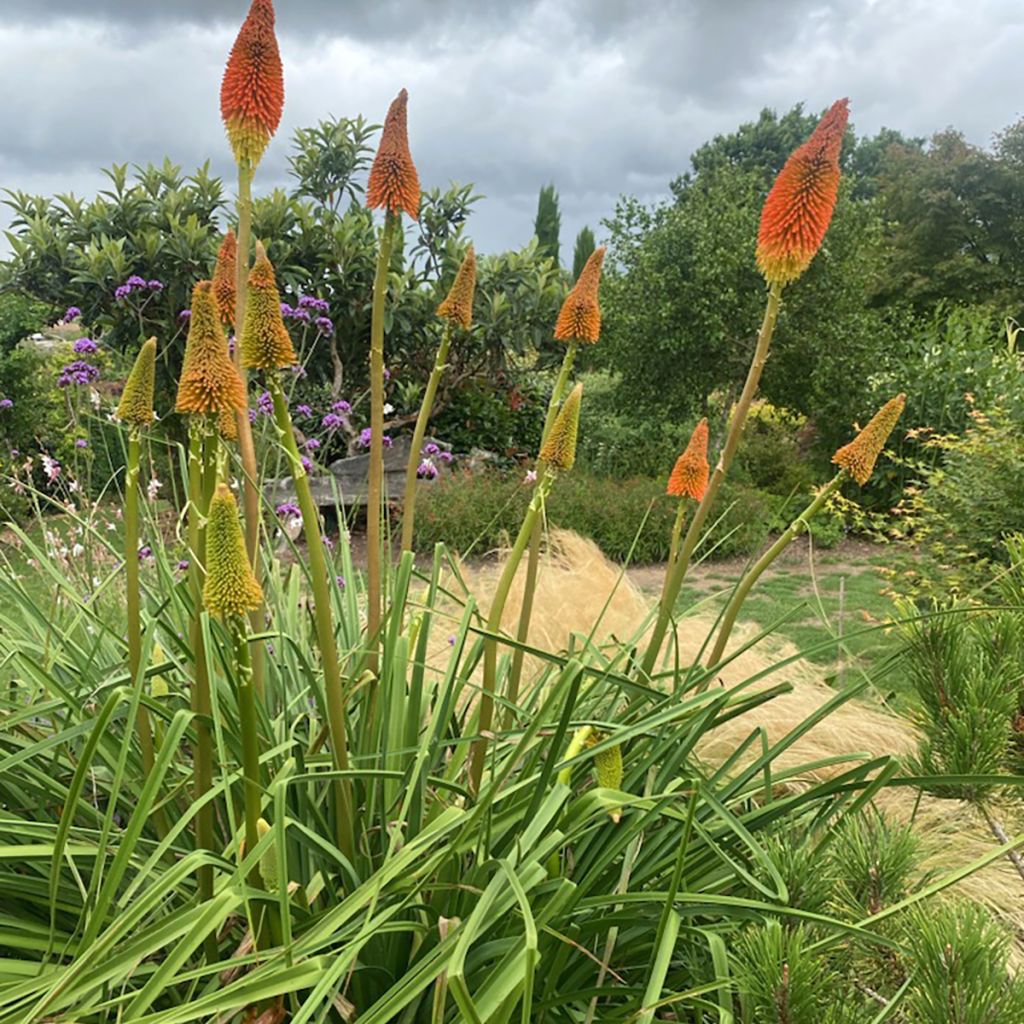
(599, 96)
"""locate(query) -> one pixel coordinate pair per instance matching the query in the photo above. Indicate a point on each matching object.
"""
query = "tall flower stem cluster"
(209, 387)
(457, 311)
(794, 220)
(266, 346)
(251, 102)
(393, 186)
(557, 453)
(579, 321)
(136, 412)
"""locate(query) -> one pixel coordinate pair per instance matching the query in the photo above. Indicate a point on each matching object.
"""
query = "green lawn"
(841, 593)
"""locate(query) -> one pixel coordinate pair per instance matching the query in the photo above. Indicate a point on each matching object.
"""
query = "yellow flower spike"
(608, 770)
(209, 382)
(224, 277)
(580, 316)
(265, 342)
(227, 426)
(268, 862)
(231, 588)
(158, 684)
(859, 456)
(559, 450)
(458, 304)
(136, 405)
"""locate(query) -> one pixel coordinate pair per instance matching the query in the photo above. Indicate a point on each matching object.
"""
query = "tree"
(548, 223)
(585, 245)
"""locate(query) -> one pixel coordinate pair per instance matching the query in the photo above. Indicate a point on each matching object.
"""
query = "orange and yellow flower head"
(230, 588)
(689, 477)
(457, 307)
(224, 287)
(265, 342)
(136, 405)
(859, 456)
(559, 450)
(252, 91)
(799, 206)
(580, 316)
(209, 382)
(394, 184)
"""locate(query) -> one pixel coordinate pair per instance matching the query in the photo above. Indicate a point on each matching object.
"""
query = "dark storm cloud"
(599, 96)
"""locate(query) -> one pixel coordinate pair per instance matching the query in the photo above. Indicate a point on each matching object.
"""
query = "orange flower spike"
(265, 341)
(580, 317)
(689, 478)
(252, 91)
(458, 304)
(859, 456)
(224, 277)
(799, 206)
(209, 382)
(394, 183)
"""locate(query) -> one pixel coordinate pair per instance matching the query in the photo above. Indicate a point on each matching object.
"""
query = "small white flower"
(77, 550)
(531, 476)
(111, 527)
(74, 486)
(153, 488)
(388, 408)
(94, 398)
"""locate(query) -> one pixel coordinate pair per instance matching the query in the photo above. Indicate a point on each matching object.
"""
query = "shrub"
(20, 316)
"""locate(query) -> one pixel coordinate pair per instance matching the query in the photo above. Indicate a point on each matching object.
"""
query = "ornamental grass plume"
(265, 342)
(231, 588)
(457, 307)
(394, 184)
(136, 405)
(559, 450)
(580, 316)
(799, 206)
(209, 381)
(224, 277)
(689, 477)
(859, 456)
(252, 90)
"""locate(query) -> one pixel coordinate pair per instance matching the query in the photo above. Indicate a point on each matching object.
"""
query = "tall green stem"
(249, 726)
(202, 708)
(795, 528)
(533, 562)
(133, 601)
(375, 489)
(676, 573)
(426, 406)
(322, 612)
(486, 717)
(677, 530)
(246, 444)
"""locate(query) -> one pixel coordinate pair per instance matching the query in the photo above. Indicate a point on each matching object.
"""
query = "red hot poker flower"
(394, 183)
(689, 478)
(252, 91)
(799, 206)
(580, 316)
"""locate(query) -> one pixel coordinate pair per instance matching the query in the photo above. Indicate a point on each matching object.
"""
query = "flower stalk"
(676, 572)
(375, 487)
(321, 610)
(795, 529)
(418, 434)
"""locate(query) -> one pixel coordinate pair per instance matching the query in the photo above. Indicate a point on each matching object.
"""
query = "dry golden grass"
(580, 592)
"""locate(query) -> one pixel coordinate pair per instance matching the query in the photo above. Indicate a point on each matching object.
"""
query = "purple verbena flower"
(342, 407)
(304, 410)
(430, 449)
(81, 443)
(252, 415)
(324, 325)
(299, 370)
(311, 302)
(136, 282)
(311, 444)
(183, 564)
(426, 470)
(185, 314)
(286, 310)
(78, 372)
(85, 346)
(265, 403)
(340, 580)
(71, 313)
(328, 543)
(332, 421)
(155, 286)
(307, 465)
(445, 456)
(121, 292)
(287, 509)
(145, 552)
(301, 314)
(6, 403)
